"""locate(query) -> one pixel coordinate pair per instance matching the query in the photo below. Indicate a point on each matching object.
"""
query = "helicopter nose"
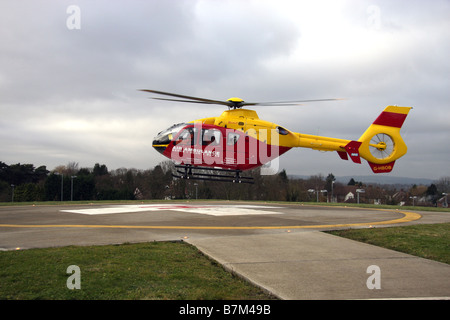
(158, 146)
(163, 139)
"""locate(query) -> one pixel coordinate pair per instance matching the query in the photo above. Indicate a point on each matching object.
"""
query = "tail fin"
(381, 145)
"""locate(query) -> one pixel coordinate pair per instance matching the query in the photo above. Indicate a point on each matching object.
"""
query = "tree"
(100, 170)
(28, 192)
(40, 174)
(432, 194)
(316, 182)
(4, 172)
(283, 176)
(5, 191)
(18, 174)
(329, 181)
(158, 182)
(52, 188)
(432, 190)
(443, 184)
(84, 185)
(352, 182)
(72, 168)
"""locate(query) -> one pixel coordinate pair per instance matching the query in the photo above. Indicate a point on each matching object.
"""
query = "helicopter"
(221, 148)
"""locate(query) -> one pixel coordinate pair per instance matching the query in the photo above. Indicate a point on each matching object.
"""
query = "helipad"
(237, 216)
(213, 210)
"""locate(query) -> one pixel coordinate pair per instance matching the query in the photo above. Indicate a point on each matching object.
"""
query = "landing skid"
(190, 172)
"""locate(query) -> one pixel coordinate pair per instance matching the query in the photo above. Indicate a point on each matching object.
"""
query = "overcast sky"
(70, 73)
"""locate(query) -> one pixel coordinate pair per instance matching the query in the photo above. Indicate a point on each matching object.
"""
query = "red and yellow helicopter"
(238, 140)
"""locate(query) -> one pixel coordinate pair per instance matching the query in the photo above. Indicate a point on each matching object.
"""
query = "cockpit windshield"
(165, 136)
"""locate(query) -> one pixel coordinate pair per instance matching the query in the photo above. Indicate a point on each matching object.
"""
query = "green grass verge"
(430, 241)
(156, 270)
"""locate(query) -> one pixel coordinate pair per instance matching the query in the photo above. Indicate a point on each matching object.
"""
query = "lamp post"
(332, 191)
(413, 198)
(196, 191)
(12, 193)
(358, 191)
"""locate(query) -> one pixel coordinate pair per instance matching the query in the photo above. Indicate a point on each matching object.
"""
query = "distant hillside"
(381, 179)
(378, 179)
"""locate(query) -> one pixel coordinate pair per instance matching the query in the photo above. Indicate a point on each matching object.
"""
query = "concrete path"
(316, 265)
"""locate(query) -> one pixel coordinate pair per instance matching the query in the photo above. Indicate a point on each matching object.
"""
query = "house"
(349, 196)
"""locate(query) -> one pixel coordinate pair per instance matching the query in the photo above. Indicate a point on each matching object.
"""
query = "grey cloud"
(50, 75)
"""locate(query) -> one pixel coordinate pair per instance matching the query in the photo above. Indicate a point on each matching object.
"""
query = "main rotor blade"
(209, 101)
(286, 103)
(274, 104)
(229, 103)
(189, 101)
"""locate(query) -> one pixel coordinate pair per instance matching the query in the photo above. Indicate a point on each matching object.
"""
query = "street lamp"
(358, 191)
(414, 197)
(196, 185)
(12, 195)
(71, 187)
(332, 191)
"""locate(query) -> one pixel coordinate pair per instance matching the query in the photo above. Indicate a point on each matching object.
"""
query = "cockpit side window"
(232, 138)
(211, 137)
(187, 137)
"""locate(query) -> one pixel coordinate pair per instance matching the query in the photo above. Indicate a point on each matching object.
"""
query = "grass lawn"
(156, 270)
(430, 241)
